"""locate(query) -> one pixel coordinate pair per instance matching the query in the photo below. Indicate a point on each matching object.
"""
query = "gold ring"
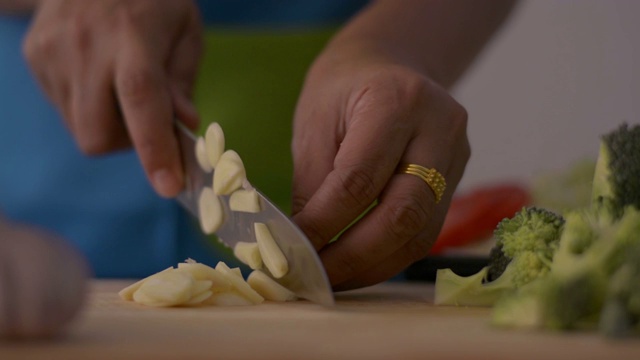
(432, 177)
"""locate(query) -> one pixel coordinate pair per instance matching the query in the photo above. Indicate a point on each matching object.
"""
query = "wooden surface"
(388, 321)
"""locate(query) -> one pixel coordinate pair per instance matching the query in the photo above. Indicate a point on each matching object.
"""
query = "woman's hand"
(119, 71)
(42, 282)
(359, 117)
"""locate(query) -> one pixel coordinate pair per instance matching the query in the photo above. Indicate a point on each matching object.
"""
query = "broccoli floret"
(593, 247)
(524, 249)
(452, 289)
(621, 311)
(531, 234)
(618, 169)
(551, 302)
(530, 230)
(551, 272)
(593, 239)
(498, 262)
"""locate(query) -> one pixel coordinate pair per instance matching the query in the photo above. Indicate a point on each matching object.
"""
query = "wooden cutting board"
(387, 321)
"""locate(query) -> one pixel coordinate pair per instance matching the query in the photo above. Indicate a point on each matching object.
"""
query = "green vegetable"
(618, 169)
(523, 252)
(621, 312)
(593, 247)
(579, 271)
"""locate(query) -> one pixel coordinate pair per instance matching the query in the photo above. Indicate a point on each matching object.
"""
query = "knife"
(306, 276)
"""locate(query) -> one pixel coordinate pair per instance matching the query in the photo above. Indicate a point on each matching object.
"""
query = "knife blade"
(306, 276)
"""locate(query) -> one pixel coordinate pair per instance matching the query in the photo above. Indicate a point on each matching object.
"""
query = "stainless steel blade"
(306, 276)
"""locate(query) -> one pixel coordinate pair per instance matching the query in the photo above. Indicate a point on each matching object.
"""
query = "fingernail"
(166, 183)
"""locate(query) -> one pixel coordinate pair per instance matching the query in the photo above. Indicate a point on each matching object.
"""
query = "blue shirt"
(105, 205)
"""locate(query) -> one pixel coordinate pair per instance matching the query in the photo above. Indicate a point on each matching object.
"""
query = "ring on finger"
(432, 177)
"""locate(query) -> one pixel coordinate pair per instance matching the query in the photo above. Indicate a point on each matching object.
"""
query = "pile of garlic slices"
(196, 284)
(192, 283)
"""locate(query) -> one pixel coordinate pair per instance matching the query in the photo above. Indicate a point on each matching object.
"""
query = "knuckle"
(298, 202)
(80, 34)
(459, 118)
(130, 13)
(359, 186)
(38, 45)
(406, 217)
(135, 86)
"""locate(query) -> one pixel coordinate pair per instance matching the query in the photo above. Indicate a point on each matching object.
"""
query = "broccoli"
(523, 252)
(615, 181)
(581, 269)
(621, 311)
(594, 246)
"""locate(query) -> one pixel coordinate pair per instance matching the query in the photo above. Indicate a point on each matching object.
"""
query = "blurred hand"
(42, 282)
(359, 116)
(119, 71)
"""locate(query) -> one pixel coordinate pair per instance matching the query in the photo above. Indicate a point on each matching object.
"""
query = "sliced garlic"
(199, 287)
(238, 283)
(168, 288)
(127, 293)
(201, 271)
(248, 253)
(230, 173)
(214, 141)
(211, 212)
(202, 157)
(245, 201)
(197, 300)
(272, 255)
(269, 288)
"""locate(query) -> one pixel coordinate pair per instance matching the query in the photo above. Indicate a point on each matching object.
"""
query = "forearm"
(437, 37)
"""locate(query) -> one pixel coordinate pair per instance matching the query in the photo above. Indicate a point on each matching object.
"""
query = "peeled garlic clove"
(230, 173)
(245, 201)
(248, 253)
(211, 211)
(269, 288)
(272, 256)
(199, 287)
(202, 157)
(214, 143)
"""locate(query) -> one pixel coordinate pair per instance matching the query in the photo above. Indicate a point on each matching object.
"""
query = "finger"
(313, 138)
(404, 210)
(41, 51)
(183, 68)
(144, 96)
(97, 124)
(367, 157)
